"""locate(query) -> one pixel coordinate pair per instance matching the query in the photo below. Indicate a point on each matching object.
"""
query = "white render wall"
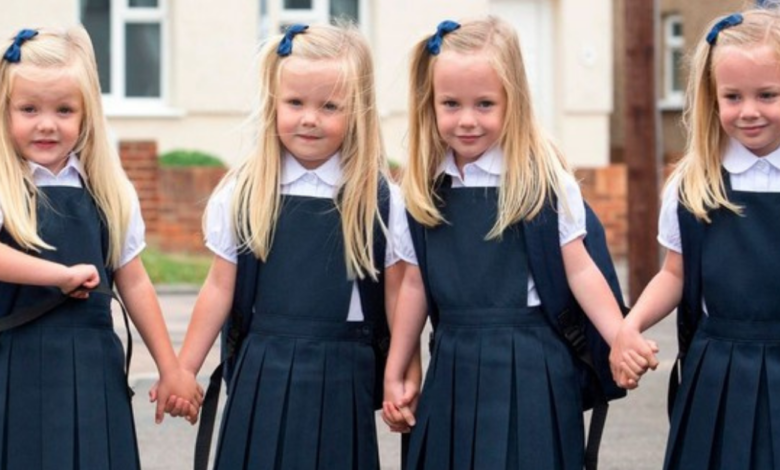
(212, 80)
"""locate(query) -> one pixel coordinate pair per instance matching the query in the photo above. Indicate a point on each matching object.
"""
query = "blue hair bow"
(727, 22)
(14, 52)
(444, 28)
(285, 46)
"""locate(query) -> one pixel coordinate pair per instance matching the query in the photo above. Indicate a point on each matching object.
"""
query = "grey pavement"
(634, 437)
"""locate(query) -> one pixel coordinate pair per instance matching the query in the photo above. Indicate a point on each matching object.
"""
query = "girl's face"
(310, 109)
(748, 91)
(45, 112)
(469, 101)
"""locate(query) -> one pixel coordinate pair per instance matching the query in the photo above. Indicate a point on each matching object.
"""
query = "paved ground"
(634, 437)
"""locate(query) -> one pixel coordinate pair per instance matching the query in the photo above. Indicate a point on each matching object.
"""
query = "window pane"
(677, 73)
(297, 4)
(344, 9)
(96, 18)
(677, 29)
(142, 60)
(143, 3)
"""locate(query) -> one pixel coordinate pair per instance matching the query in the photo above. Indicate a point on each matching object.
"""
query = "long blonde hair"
(256, 201)
(70, 53)
(534, 167)
(699, 171)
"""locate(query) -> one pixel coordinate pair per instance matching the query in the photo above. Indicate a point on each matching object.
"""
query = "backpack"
(236, 328)
(562, 310)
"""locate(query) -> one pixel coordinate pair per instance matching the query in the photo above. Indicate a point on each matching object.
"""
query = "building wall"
(696, 16)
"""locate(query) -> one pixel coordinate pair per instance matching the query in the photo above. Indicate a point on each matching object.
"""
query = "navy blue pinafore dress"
(64, 401)
(501, 390)
(727, 410)
(302, 394)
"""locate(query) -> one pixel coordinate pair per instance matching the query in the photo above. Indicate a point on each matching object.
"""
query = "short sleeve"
(668, 223)
(135, 240)
(571, 224)
(399, 245)
(220, 238)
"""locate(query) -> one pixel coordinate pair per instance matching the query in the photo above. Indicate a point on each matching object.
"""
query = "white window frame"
(672, 99)
(277, 15)
(116, 103)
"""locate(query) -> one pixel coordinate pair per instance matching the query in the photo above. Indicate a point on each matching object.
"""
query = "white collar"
(329, 172)
(73, 164)
(491, 162)
(739, 159)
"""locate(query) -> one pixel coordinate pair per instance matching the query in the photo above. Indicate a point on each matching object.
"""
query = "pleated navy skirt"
(301, 398)
(500, 393)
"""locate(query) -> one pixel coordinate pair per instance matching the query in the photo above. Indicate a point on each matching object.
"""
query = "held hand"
(80, 278)
(178, 394)
(400, 404)
(631, 356)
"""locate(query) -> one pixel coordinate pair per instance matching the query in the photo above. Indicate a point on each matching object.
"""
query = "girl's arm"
(591, 290)
(209, 314)
(662, 295)
(403, 369)
(139, 297)
(20, 268)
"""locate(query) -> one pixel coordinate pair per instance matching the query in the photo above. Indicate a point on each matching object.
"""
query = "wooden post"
(641, 143)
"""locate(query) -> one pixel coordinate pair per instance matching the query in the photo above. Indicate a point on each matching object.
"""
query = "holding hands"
(631, 356)
(178, 394)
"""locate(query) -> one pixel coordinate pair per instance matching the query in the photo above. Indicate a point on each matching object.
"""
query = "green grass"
(170, 268)
(185, 158)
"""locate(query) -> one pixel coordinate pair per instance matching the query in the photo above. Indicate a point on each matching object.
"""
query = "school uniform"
(64, 400)
(727, 410)
(501, 391)
(302, 393)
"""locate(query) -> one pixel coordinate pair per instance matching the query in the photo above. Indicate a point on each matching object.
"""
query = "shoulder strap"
(546, 264)
(372, 294)
(233, 332)
(689, 311)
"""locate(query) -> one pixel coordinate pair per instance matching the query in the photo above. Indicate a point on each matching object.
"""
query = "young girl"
(725, 414)
(305, 205)
(501, 389)
(70, 219)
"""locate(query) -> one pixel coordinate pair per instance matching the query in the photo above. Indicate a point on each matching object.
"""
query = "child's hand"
(80, 278)
(631, 356)
(178, 394)
(400, 404)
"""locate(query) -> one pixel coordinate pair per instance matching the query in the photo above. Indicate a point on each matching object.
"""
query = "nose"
(749, 110)
(46, 123)
(309, 118)
(467, 119)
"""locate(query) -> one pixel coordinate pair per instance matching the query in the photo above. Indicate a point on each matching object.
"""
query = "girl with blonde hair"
(719, 223)
(69, 219)
(311, 213)
(501, 389)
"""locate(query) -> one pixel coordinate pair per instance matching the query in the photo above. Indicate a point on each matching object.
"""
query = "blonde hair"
(699, 171)
(70, 53)
(534, 167)
(256, 201)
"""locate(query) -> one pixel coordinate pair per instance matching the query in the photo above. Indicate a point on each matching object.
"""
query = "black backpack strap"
(372, 294)
(546, 263)
(689, 311)
(233, 333)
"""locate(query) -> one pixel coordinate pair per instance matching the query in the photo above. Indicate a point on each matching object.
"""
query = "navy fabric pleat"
(303, 387)
(501, 390)
(727, 411)
(64, 401)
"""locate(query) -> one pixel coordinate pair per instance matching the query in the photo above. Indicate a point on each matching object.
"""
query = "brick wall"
(172, 199)
(139, 160)
(606, 190)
